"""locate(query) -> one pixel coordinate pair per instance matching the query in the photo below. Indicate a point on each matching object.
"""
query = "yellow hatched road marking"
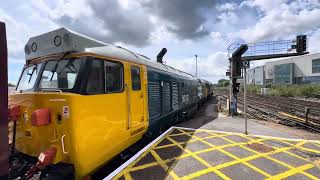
(238, 160)
(199, 159)
(127, 176)
(299, 146)
(164, 165)
(194, 138)
(130, 167)
(280, 162)
(295, 171)
(256, 156)
(290, 153)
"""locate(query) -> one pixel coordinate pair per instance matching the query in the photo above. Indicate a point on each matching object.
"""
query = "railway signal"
(236, 66)
(301, 45)
(237, 63)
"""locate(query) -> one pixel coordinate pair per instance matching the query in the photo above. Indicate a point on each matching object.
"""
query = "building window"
(316, 66)
(135, 77)
(283, 73)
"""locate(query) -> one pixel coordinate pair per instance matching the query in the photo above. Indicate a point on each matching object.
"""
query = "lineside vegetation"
(308, 90)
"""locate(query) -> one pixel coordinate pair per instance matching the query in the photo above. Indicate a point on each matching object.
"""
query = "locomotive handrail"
(62, 144)
(129, 106)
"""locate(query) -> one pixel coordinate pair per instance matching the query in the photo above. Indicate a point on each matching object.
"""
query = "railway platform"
(186, 153)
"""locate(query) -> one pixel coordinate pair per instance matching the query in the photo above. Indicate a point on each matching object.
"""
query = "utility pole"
(196, 65)
(4, 160)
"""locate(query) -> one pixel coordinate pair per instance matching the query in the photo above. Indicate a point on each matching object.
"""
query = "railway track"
(282, 110)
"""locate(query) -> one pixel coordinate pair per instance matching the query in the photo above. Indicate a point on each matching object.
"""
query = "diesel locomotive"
(80, 102)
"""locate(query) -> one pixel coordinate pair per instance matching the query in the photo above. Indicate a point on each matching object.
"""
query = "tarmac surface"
(210, 146)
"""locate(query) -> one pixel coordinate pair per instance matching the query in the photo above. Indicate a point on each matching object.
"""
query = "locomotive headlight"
(67, 38)
(34, 47)
(27, 49)
(57, 40)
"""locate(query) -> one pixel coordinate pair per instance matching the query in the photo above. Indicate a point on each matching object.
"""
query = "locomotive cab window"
(105, 77)
(95, 83)
(136, 78)
(60, 75)
(113, 76)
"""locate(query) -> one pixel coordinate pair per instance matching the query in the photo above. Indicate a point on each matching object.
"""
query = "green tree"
(223, 83)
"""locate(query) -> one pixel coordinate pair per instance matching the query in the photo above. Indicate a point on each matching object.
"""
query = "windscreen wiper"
(31, 74)
(56, 66)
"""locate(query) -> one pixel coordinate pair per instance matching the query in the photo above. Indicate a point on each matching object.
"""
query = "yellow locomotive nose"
(39, 123)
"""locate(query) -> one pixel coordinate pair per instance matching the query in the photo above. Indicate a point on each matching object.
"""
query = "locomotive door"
(136, 99)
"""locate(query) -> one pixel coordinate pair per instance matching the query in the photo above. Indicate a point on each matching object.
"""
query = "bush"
(253, 88)
(223, 83)
(295, 90)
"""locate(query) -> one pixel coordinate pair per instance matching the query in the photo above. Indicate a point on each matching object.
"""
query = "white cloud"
(151, 27)
(227, 6)
(16, 34)
(280, 21)
(212, 67)
(314, 42)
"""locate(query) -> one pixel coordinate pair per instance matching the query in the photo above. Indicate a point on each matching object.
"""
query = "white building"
(292, 70)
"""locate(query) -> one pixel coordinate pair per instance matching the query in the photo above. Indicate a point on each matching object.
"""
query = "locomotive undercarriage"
(22, 167)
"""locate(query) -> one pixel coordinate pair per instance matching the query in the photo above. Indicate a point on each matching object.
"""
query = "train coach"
(80, 102)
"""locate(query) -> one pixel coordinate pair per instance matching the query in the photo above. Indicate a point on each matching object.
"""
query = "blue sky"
(184, 27)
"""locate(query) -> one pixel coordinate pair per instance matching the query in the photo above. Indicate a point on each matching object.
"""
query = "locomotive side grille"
(175, 96)
(166, 97)
(154, 99)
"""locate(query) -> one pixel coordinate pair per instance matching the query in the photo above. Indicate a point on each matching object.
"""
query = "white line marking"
(124, 165)
(273, 137)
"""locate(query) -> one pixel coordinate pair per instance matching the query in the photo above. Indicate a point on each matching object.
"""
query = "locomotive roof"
(122, 53)
(63, 40)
